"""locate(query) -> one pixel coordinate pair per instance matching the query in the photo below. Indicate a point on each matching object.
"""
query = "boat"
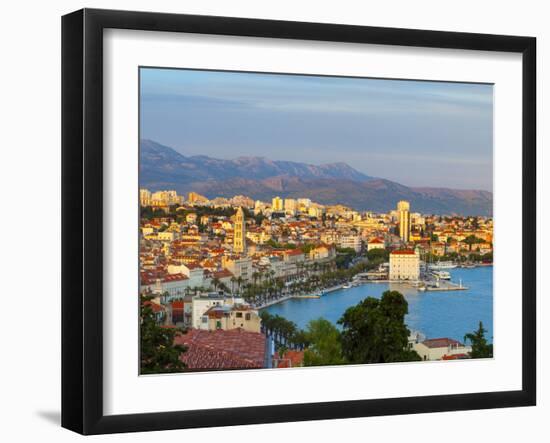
(441, 275)
(442, 265)
(419, 285)
(347, 286)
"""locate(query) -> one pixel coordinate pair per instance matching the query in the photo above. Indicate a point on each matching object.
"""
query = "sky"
(417, 133)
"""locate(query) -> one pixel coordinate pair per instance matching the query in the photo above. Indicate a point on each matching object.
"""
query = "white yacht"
(442, 265)
(441, 275)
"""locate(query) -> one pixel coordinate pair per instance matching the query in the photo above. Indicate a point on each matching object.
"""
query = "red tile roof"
(294, 252)
(290, 359)
(154, 306)
(403, 252)
(175, 277)
(224, 273)
(441, 343)
(455, 357)
(376, 241)
(233, 349)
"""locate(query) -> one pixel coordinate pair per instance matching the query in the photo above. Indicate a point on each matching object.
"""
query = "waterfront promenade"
(296, 296)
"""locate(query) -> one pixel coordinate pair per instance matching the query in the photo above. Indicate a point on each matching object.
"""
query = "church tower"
(239, 237)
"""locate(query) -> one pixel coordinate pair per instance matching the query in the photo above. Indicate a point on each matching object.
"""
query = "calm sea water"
(436, 314)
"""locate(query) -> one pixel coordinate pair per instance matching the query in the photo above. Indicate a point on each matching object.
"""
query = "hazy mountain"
(158, 160)
(260, 178)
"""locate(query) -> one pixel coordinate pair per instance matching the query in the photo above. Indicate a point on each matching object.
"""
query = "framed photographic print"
(269, 221)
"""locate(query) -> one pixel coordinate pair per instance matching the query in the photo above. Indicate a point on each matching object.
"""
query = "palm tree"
(239, 283)
(215, 282)
(255, 276)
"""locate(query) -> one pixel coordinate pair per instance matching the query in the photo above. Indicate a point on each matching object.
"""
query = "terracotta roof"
(174, 277)
(233, 349)
(224, 273)
(293, 252)
(154, 306)
(403, 252)
(455, 357)
(376, 241)
(290, 359)
(441, 343)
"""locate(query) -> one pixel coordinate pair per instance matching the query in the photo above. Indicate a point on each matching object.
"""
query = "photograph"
(293, 221)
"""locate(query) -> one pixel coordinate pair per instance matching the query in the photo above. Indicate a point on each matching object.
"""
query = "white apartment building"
(194, 274)
(375, 243)
(290, 206)
(352, 241)
(404, 265)
(439, 348)
(204, 302)
(144, 197)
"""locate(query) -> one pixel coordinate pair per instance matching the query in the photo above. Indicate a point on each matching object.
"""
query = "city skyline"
(380, 127)
(298, 221)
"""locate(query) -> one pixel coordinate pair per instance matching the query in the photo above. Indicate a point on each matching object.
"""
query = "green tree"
(472, 240)
(480, 347)
(378, 254)
(374, 331)
(158, 353)
(324, 344)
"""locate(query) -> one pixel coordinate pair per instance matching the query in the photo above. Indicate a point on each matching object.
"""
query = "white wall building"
(352, 241)
(203, 303)
(404, 265)
(437, 348)
(375, 243)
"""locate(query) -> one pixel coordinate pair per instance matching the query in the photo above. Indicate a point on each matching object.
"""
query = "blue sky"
(413, 132)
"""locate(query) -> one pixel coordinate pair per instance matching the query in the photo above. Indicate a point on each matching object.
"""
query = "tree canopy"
(158, 352)
(324, 344)
(481, 348)
(378, 254)
(374, 331)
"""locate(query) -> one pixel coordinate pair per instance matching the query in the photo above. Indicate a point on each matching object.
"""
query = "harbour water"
(435, 314)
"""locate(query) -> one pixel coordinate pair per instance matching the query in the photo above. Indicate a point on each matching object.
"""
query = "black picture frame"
(82, 218)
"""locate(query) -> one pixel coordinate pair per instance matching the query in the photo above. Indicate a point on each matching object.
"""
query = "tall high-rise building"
(290, 205)
(165, 198)
(403, 212)
(196, 198)
(277, 204)
(145, 197)
(239, 237)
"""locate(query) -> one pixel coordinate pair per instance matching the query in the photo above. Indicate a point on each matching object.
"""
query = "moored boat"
(442, 265)
(441, 275)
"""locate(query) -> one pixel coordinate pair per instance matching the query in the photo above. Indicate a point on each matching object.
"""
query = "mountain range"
(161, 167)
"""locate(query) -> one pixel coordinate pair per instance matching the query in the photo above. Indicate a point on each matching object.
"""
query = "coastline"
(297, 296)
(435, 314)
